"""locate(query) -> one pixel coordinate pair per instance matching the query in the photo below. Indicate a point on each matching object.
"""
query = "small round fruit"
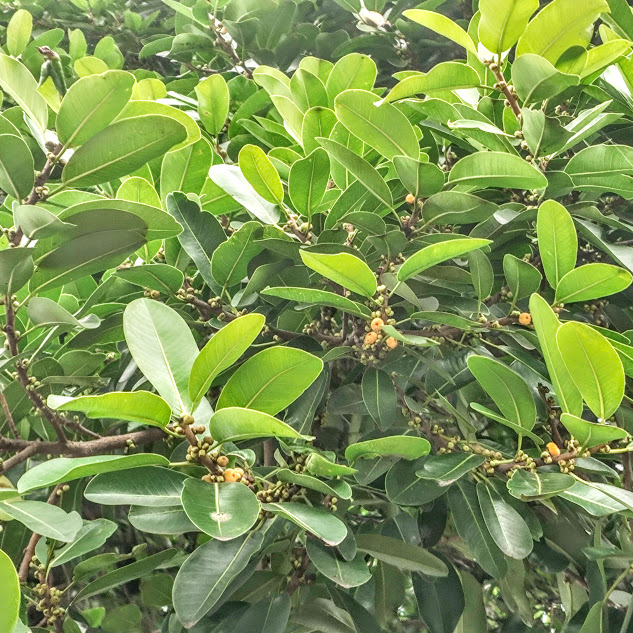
(230, 474)
(525, 318)
(370, 338)
(391, 343)
(376, 324)
(410, 199)
(223, 461)
(553, 449)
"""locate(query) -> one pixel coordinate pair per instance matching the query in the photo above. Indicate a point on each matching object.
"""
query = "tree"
(317, 316)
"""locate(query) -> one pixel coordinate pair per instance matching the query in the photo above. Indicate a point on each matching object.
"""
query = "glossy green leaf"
(404, 556)
(506, 388)
(592, 281)
(121, 148)
(523, 278)
(593, 500)
(270, 380)
(447, 469)
(213, 103)
(222, 351)
(496, 169)
(442, 25)
(64, 469)
(16, 166)
(590, 434)
(44, 519)
(91, 104)
(308, 181)
(347, 574)
(536, 79)
(594, 366)
(529, 486)
(161, 277)
(502, 23)
(38, 223)
(269, 615)
(380, 397)
(223, 511)
(319, 465)
(517, 428)
(230, 260)
(10, 586)
(236, 425)
(46, 312)
(261, 173)
(336, 488)
(353, 71)
(437, 253)
(383, 127)
(404, 446)
(558, 244)
(92, 535)
(141, 407)
(312, 296)
(345, 269)
(146, 485)
(318, 521)
(16, 268)
(419, 178)
(18, 35)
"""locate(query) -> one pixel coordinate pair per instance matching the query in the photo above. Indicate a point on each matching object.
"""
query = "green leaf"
(161, 520)
(44, 519)
(261, 173)
(91, 104)
(164, 349)
(419, 178)
(16, 268)
(408, 339)
(505, 524)
(360, 169)
(147, 485)
(447, 469)
(481, 274)
(236, 425)
(404, 556)
(506, 388)
(471, 526)
(345, 269)
(523, 278)
(594, 366)
(546, 324)
(221, 352)
(536, 80)
(270, 380)
(64, 469)
(19, 84)
(437, 253)
(17, 175)
(404, 446)
(502, 23)
(121, 148)
(347, 574)
(441, 78)
(455, 207)
(46, 312)
(319, 465)
(161, 277)
(384, 127)
(213, 103)
(353, 71)
(380, 397)
(529, 486)
(590, 434)
(223, 511)
(318, 521)
(312, 296)
(18, 35)
(92, 535)
(592, 281)
(517, 428)
(269, 615)
(307, 182)
(594, 501)
(38, 223)
(558, 243)
(206, 574)
(337, 488)
(496, 169)
(230, 260)
(125, 574)
(141, 407)
(10, 587)
(317, 122)
(551, 32)
(442, 25)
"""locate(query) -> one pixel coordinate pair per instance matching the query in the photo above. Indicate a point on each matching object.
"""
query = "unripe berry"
(223, 461)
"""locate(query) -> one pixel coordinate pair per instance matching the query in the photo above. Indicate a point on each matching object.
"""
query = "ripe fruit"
(391, 343)
(370, 338)
(376, 324)
(410, 199)
(230, 474)
(525, 318)
(223, 461)
(553, 449)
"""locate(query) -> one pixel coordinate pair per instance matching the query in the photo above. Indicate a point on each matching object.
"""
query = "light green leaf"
(261, 173)
(404, 446)
(442, 25)
(592, 281)
(318, 521)
(353, 71)
(213, 103)
(46, 312)
(419, 178)
(590, 434)
(223, 511)
(64, 469)
(10, 588)
(529, 486)
(317, 464)
(18, 36)
(496, 169)
(92, 535)
(91, 104)
(523, 278)
(307, 182)
(17, 175)
(345, 573)
(222, 351)
(236, 425)
(312, 296)
(536, 80)
(230, 260)
(335, 488)
(502, 22)
(558, 243)
(594, 366)
(447, 469)
(345, 269)
(436, 253)
(141, 407)
(44, 519)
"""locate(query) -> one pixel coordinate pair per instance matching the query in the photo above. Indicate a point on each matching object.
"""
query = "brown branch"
(9, 416)
(295, 580)
(502, 85)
